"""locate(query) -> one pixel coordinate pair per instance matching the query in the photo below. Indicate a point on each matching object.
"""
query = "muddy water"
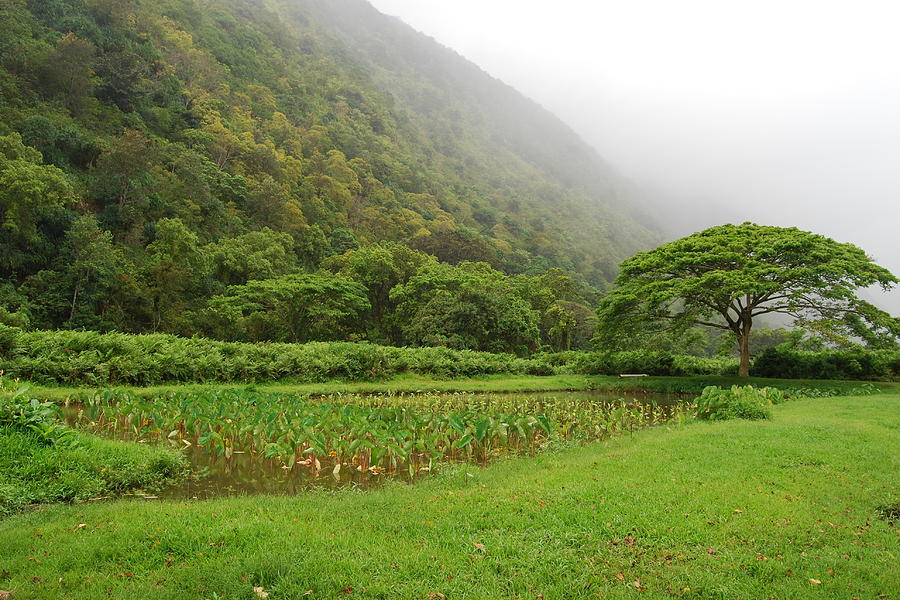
(244, 473)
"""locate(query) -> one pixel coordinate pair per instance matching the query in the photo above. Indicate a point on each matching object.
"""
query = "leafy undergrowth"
(738, 402)
(738, 509)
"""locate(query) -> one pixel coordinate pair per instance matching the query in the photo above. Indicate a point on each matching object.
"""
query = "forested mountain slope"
(155, 152)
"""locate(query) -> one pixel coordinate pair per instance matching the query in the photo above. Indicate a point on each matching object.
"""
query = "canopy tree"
(464, 306)
(294, 308)
(726, 276)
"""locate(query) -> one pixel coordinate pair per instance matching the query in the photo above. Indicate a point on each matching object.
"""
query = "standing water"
(247, 442)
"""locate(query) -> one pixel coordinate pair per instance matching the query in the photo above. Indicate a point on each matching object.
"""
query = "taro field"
(246, 441)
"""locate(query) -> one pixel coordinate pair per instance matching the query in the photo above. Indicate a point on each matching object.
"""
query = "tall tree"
(291, 308)
(95, 269)
(726, 276)
(30, 192)
(469, 305)
(175, 264)
(380, 268)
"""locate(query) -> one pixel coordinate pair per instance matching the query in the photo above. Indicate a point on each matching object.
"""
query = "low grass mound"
(35, 472)
(42, 460)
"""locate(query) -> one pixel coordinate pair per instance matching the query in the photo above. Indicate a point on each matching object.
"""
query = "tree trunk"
(744, 343)
(74, 300)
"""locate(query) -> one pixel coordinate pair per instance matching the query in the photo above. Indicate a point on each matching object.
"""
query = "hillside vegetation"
(157, 154)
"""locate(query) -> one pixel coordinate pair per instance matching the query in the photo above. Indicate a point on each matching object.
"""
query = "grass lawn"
(786, 509)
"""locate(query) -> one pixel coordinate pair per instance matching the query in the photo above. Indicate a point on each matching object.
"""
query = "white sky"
(781, 112)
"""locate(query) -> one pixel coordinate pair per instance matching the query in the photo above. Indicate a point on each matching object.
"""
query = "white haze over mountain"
(783, 112)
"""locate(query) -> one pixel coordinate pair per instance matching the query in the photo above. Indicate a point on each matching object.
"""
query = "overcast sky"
(783, 112)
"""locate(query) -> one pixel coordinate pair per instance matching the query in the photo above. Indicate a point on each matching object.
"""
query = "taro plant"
(393, 433)
(20, 411)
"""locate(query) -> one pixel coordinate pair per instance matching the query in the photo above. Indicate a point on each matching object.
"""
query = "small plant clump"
(738, 402)
(20, 412)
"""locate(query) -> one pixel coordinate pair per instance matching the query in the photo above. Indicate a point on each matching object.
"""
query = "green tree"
(256, 255)
(123, 173)
(96, 269)
(291, 308)
(726, 276)
(30, 192)
(67, 72)
(380, 268)
(175, 265)
(469, 305)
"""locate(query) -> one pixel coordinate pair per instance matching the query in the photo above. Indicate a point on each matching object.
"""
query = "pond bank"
(495, 384)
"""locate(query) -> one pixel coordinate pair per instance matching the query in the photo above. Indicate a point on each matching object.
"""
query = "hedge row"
(651, 363)
(829, 364)
(91, 358)
(773, 362)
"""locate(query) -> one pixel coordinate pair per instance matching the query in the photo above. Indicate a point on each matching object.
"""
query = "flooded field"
(250, 442)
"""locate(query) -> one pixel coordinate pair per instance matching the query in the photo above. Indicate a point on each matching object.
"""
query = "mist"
(781, 113)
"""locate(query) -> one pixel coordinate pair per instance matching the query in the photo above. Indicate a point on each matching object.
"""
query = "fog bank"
(779, 113)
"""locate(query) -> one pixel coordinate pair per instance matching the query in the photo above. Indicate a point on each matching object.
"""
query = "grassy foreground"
(737, 509)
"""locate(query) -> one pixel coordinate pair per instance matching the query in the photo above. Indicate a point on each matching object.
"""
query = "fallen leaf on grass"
(815, 582)
(80, 526)
(4, 595)
(479, 546)
(620, 576)
(260, 592)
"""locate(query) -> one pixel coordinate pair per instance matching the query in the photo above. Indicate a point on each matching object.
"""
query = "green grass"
(733, 509)
(33, 472)
(489, 383)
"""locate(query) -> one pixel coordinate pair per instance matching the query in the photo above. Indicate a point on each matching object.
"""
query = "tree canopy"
(726, 276)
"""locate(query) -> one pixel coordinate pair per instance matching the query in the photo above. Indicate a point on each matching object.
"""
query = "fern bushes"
(91, 358)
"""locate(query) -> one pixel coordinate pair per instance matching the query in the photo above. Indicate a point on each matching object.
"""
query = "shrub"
(829, 364)
(701, 365)
(651, 363)
(747, 402)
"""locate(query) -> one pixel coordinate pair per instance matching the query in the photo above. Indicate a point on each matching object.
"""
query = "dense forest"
(291, 171)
